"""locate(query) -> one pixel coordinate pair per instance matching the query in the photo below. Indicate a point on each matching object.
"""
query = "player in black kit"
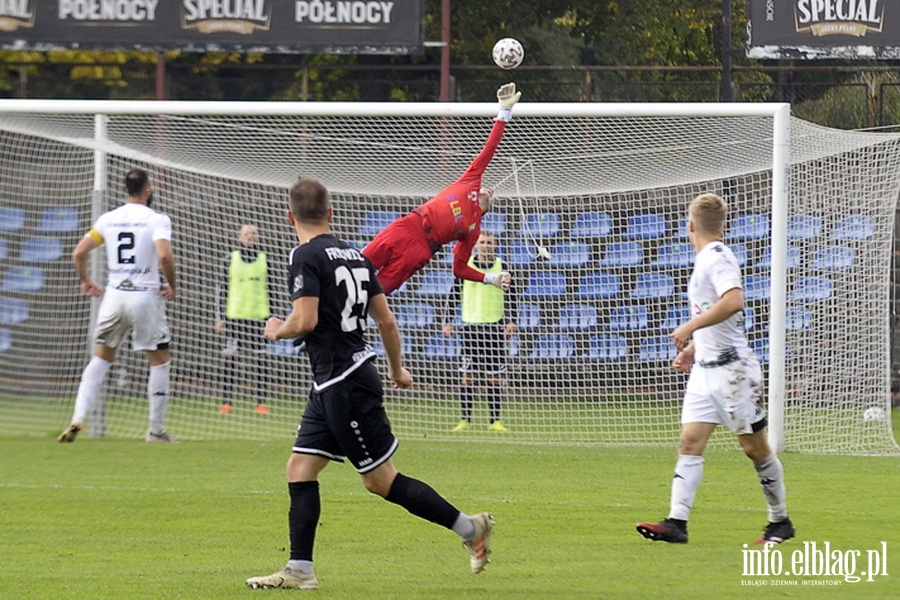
(333, 289)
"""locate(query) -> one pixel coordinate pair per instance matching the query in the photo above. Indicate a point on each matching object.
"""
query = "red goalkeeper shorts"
(398, 251)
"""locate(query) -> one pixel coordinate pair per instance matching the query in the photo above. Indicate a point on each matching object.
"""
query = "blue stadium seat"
(13, 311)
(757, 287)
(5, 340)
(749, 318)
(645, 226)
(653, 286)
(414, 315)
(761, 348)
(438, 347)
(23, 279)
(793, 258)
(804, 227)
(740, 253)
(375, 221)
(570, 254)
(553, 347)
(590, 225)
(284, 348)
(854, 227)
(12, 219)
(41, 249)
(577, 317)
(675, 317)
(435, 283)
(675, 256)
(607, 348)
(748, 227)
(529, 317)
(59, 219)
(540, 225)
(495, 223)
(445, 255)
(629, 318)
(522, 253)
(657, 349)
(811, 289)
(545, 284)
(798, 318)
(4, 249)
(623, 254)
(832, 258)
(406, 346)
(598, 285)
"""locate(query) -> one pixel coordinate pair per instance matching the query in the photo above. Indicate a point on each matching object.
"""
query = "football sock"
(421, 500)
(688, 474)
(303, 566)
(303, 518)
(464, 527)
(466, 400)
(771, 477)
(158, 394)
(91, 380)
(493, 398)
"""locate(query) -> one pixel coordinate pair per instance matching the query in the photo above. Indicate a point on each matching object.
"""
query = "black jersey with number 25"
(343, 280)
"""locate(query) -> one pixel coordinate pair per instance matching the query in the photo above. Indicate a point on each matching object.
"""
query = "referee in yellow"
(485, 333)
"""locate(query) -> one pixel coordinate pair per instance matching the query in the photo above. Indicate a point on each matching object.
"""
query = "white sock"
(158, 394)
(771, 477)
(91, 379)
(688, 475)
(464, 527)
(303, 566)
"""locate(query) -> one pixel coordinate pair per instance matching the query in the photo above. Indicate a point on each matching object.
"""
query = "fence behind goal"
(590, 218)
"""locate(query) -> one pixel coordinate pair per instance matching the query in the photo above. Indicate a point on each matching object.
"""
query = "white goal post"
(590, 218)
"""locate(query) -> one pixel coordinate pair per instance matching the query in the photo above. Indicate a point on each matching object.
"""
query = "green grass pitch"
(118, 518)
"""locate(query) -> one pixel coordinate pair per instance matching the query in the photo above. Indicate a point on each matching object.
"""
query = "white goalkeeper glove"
(507, 96)
(501, 280)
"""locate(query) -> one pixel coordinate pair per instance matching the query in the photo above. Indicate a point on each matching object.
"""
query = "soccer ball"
(874, 413)
(508, 53)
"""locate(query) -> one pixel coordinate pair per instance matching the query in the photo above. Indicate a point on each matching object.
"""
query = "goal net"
(590, 217)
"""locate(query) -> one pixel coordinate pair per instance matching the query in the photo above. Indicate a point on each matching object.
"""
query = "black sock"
(303, 518)
(421, 500)
(493, 398)
(466, 400)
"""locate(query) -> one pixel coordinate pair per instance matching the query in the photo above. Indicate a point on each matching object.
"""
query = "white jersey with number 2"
(129, 233)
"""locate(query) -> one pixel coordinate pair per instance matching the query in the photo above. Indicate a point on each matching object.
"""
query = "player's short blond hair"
(708, 212)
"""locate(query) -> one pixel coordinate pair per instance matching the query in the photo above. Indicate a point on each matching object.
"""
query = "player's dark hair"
(135, 181)
(310, 200)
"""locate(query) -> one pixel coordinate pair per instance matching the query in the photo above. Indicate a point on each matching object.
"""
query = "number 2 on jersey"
(126, 242)
(357, 295)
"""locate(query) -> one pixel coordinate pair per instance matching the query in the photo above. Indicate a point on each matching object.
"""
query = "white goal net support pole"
(590, 216)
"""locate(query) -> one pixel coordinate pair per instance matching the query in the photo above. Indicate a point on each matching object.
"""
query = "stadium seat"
(570, 254)
(529, 317)
(804, 227)
(41, 249)
(607, 348)
(5, 340)
(629, 318)
(854, 227)
(23, 279)
(675, 317)
(513, 349)
(522, 253)
(495, 223)
(59, 219)
(284, 348)
(765, 260)
(653, 286)
(675, 256)
(657, 349)
(375, 221)
(749, 318)
(438, 347)
(553, 347)
(623, 254)
(591, 225)
(757, 287)
(811, 289)
(832, 258)
(761, 348)
(12, 219)
(13, 311)
(545, 284)
(540, 225)
(414, 315)
(4, 249)
(435, 283)
(577, 317)
(748, 227)
(798, 318)
(740, 253)
(598, 285)
(406, 346)
(645, 226)
(445, 255)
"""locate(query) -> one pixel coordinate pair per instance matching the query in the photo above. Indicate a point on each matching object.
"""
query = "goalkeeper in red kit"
(407, 244)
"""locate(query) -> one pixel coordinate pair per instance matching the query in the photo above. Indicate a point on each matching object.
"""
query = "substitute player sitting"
(407, 244)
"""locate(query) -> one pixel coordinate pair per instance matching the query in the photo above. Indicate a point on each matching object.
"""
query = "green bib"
(248, 293)
(482, 303)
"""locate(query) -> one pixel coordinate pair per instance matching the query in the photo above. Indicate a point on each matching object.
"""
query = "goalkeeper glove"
(507, 96)
(501, 280)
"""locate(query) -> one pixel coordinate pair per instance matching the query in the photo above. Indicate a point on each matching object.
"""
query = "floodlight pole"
(445, 50)
(726, 87)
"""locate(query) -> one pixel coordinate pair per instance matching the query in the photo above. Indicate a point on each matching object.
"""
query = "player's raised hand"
(508, 96)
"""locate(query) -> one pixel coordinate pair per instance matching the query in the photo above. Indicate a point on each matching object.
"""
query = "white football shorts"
(729, 395)
(142, 312)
